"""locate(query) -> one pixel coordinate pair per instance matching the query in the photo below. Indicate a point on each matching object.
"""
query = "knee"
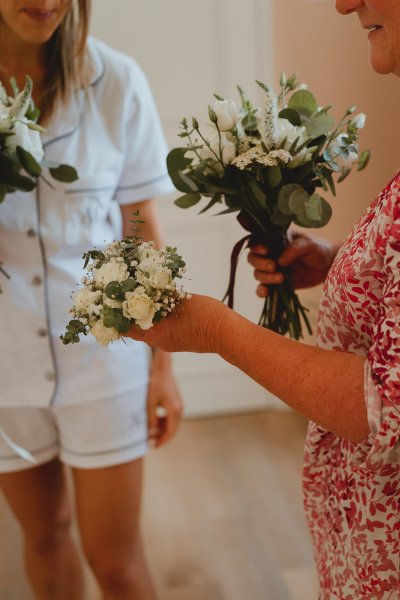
(115, 579)
(117, 573)
(50, 536)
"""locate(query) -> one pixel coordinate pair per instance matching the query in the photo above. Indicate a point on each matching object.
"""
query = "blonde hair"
(66, 60)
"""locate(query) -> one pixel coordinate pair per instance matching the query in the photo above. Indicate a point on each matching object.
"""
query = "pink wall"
(331, 52)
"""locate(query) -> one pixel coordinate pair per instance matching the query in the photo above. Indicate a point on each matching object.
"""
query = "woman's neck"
(18, 59)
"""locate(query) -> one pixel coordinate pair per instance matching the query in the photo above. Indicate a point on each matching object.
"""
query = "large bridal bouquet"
(21, 151)
(129, 283)
(269, 165)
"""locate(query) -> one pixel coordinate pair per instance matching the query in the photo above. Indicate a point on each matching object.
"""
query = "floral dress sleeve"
(382, 371)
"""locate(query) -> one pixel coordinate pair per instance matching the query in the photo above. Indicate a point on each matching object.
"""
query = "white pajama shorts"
(88, 436)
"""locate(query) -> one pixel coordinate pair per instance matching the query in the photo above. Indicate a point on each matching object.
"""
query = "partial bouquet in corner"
(130, 283)
(269, 165)
(21, 151)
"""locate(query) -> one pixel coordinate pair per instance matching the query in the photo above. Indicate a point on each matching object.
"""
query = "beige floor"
(222, 515)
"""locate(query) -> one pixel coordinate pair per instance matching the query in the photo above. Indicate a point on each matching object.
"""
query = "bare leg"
(39, 500)
(108, 507)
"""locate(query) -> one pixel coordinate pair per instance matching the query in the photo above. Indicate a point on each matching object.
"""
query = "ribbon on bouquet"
(274, 239)
(237, 249)
(17, 449)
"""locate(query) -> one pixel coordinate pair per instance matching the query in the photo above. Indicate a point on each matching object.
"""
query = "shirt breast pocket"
(88, 210)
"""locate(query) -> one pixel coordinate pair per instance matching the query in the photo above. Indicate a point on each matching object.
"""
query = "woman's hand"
(196, 325)
(309, 259)
(164, 401)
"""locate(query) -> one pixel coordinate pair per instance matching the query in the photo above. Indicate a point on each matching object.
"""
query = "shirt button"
(50, 376)
(394, 425)
(31, 233)
(37, 280)
(42, 332)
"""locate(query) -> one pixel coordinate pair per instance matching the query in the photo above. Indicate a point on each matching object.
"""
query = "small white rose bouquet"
(131, 282)
(268, 165)
(21, 150)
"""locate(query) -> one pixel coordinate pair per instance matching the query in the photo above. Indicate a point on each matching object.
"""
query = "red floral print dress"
(352, 491)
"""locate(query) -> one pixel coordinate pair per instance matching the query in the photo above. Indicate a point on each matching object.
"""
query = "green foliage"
(73, 330)
(303, 102)
(64, 173)
(176, 164)
(188, 200)
(28, 162)
(96, 255)
(113, 317)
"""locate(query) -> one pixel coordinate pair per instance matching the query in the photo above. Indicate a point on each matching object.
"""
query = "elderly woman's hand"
(196, 325)
(308, 258)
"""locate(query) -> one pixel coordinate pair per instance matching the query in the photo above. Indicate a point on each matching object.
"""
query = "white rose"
(104, 335)
(84, 297)
(359, 120)
(153, 273)
(227, 114)
(27, 138)
(162, 278)
(110, 271)
(221, 146)
(340, 155)
(147, 250)
(291, 132)
(140, 307)
(152, 262)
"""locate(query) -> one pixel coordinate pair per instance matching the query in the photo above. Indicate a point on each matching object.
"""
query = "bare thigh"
(108, 509)
(39, 500)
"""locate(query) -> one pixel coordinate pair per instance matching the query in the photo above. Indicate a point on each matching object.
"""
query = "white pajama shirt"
(111, 133)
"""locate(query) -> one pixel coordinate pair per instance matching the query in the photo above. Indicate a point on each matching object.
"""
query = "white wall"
(190, 50)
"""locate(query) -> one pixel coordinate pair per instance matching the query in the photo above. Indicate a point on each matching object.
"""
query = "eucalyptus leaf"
(297, 201)
(113, 291)
(28, 162)
(128, 285)
(13, 179)
(176, 163)
(273, 177)
(73, 329)
(284, 195)
(113, 317)
(313, 208)
(64, 173)
(319, 124)
(290, 115)
(331, 183)
(364, 159)
(188, 200)
(257, 192)
(303, 102)
(343, 175)
(316, 207)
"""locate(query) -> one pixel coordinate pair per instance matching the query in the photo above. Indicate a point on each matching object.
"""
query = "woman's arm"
(163, 391)
(326, 387)
(323, 385)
